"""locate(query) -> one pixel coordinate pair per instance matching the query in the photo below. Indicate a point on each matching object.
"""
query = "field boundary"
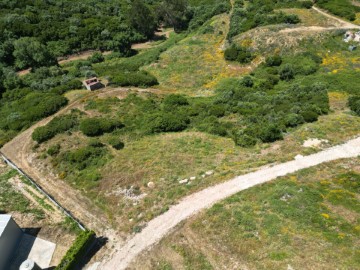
(42, 191)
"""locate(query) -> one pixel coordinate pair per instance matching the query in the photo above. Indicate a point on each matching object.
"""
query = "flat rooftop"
(4, 220)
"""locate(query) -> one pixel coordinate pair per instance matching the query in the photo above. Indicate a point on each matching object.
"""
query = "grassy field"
(308, 220)
(196, 64)
(12, 200)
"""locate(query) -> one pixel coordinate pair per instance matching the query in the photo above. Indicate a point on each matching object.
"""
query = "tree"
(176, 14)
(287, 72)
(29, 52)
(142, 18)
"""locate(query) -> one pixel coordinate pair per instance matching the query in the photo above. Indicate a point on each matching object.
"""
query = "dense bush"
(167, 122)
(57, 125)
(354, 104)
(139, 78)
(54, 150)
(97, 57)
(82, 158)
(239, 54)
(273, 61)
(172, 102)
(287, 72)
(116, 143)
(77, 251)
(98, 126)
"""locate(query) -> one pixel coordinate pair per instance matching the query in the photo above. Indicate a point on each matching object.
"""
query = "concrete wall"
(9, 241)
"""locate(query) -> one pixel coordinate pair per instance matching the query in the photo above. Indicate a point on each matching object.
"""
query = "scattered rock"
(183, 181)
(285, 197)
(193, 178)
(314, 143)
(203, 176)
(151, 185)
(289, 267)
(208, 173)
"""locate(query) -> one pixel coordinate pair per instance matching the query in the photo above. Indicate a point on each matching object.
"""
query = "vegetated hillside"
(113, 148)
(307, 220)
(33, 34)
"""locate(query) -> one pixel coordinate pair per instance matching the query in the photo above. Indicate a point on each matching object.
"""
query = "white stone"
(151, 185)
(208, 173)
(193, 178)
(298, 157)
(314, 142)
(183, 181)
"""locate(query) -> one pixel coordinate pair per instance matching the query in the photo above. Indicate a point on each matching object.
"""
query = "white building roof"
(4, 220)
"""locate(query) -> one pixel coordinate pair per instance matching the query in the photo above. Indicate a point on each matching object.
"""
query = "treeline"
(30, 98)
(342, 8)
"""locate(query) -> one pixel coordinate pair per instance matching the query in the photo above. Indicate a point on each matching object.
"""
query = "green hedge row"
(77, 251)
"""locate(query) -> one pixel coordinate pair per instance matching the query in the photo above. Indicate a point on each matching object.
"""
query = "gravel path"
(162, 225)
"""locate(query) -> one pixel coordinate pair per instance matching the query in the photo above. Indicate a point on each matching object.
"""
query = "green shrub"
(307, 4)
(116, 143)
(166, 122)
(244, 140)
(98, 126)
(77, 251)
(97, 57)
(273, 61)
(270, 133)
(354, 104)
(139, 78)
(84, 157)
(239, 54)
(247, 81)
(287, 72)
(174, 101)
(56, 126)
(54, 150)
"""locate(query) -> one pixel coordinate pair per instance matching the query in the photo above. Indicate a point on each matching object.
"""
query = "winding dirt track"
(162, 225)
(19, 151)
(344, 25)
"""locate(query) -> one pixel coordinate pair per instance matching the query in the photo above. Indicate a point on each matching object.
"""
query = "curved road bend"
(162, 225)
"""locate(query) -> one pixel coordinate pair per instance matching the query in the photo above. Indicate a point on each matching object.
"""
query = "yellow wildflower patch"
(327, 216)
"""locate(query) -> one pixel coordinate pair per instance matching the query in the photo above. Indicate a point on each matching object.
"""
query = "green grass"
(286, 222)
(12, 200)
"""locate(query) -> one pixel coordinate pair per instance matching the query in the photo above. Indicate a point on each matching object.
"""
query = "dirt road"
(19, 150)
(162, 225)
(342, 25)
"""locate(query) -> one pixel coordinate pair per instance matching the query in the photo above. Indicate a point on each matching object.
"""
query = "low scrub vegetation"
(354, 104)
(98, 126)
(342, 8)
(259, 13)
(57, 125)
